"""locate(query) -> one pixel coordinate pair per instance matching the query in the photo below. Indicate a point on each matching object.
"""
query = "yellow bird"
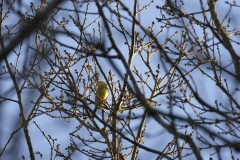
(101, 95)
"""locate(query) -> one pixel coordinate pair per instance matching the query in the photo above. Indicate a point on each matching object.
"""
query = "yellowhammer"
(101, 95)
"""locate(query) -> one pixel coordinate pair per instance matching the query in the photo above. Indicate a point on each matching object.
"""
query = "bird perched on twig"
(101, 95)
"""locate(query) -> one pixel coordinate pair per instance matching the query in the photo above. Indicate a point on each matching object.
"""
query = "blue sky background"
(156, 137)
